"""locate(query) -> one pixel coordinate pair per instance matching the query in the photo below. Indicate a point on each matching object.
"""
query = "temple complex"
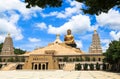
(56, 55)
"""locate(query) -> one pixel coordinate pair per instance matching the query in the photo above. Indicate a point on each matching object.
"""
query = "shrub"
(78, 67)
(85, 66)
(91, 66)
(97, 66)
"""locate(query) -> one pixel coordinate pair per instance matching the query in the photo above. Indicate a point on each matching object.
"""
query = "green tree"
(112, 55)
(19, 51)
(85, 66)
(97, 66)
(98, 6)
(104, 66)
(43, 3)
(78, 67)
(91, 66)
(92, 6)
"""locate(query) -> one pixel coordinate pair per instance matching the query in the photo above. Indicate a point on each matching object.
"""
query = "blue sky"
(36, 27)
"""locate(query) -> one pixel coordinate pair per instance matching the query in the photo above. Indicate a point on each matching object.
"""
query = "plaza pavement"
(57, 74)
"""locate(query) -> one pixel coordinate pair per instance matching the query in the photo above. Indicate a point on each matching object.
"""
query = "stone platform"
(57, 74)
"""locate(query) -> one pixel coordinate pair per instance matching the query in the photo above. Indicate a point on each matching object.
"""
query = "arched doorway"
(47, 66)
(19, 66)
(99, 59)
(35, 66)
(43, 66)
(39, 66)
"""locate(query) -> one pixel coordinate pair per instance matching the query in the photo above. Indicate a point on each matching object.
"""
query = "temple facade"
(57, 55)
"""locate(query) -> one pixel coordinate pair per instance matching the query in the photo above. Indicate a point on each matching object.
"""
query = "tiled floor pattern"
(58, 74)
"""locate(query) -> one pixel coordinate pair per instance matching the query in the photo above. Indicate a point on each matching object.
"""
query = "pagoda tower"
(95, 46)
(8, 48)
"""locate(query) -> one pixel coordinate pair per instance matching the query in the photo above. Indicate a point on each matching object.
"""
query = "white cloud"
(110, 20)
(30, 46)
(17, 5)
(105, 44)
(105, 41)
(42, 25)
(9, 26)
(86, 37)
(68, 12)
(34, 40)
(11, 11)
(115, 35)
(79, 23)
(79, 43)
(2, 37)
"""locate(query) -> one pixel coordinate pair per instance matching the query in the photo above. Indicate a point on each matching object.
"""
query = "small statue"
(69, 39)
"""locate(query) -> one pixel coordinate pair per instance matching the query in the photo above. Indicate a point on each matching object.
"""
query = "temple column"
(101, 66)
(33, 66)
(88, 67)
(45, 66)
(41, 66)
(82, 67)
(94, 66)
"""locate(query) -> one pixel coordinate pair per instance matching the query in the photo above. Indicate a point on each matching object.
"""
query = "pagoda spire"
(8, 48)
(8, 34)
(57, 39)
(95, 46)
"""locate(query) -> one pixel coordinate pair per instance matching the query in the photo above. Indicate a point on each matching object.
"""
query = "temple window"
(99, 59)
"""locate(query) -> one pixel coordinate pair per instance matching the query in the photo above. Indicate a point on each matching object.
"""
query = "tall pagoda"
(8, 48)
(95, 46)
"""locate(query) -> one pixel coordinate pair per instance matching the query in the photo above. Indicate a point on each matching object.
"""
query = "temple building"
(56, 55)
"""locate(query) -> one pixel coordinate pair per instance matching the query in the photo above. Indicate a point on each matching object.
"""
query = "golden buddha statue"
(69, 39)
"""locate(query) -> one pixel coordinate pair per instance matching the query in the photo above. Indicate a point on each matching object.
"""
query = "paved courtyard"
(58, 74)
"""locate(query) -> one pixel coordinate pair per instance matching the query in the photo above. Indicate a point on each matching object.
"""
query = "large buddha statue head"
(69, 39)
(68, 32)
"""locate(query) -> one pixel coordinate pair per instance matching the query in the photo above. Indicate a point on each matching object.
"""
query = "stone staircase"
(69, 67)
(11, 66)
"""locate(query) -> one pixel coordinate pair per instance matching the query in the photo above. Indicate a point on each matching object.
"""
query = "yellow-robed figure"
(69, 39)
